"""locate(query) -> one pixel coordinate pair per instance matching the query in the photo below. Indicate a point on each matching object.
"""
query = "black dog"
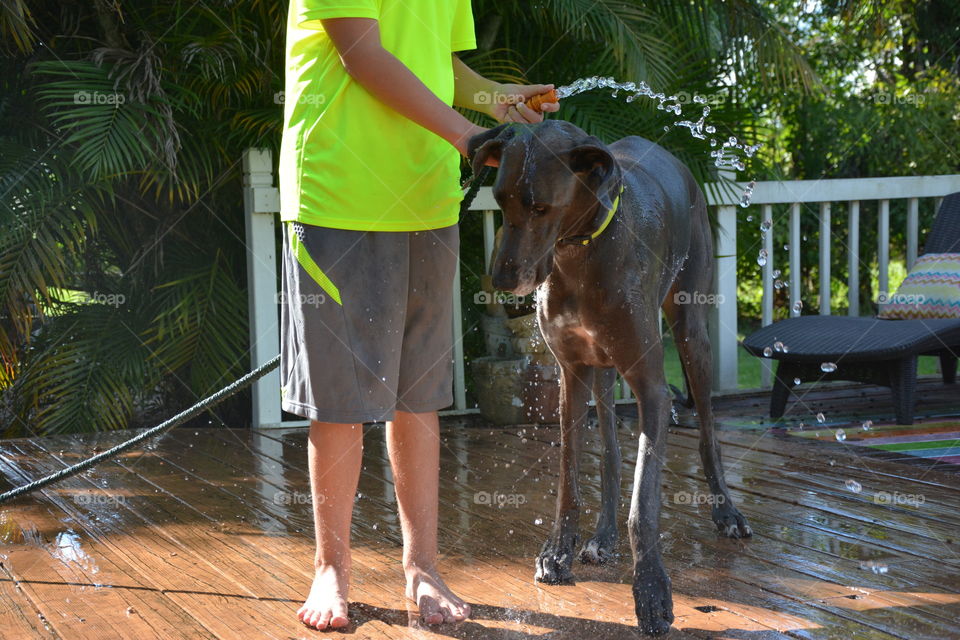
(611, 234)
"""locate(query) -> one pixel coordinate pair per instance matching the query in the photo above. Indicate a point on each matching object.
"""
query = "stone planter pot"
(520, 382)
(516, 390)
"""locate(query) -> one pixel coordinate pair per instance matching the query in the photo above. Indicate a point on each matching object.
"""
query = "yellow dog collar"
(585, 240)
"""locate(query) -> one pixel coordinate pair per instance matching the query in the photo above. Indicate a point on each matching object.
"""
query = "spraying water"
(729, 154)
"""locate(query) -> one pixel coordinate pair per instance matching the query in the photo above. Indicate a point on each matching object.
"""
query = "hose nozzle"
(536, 102)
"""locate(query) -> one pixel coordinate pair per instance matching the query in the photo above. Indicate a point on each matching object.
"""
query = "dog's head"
(554, 181)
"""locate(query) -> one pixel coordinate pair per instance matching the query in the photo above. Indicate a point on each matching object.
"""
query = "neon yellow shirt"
(347, 160)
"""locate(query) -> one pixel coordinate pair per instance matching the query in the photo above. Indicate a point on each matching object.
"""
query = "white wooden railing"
(804, 197)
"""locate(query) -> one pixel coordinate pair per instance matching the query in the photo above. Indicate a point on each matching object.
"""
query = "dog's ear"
(598, 170)
(485, 145)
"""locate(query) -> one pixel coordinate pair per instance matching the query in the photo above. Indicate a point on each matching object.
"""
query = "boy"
(369, 195)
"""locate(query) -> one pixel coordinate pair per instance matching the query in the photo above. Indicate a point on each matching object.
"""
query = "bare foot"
(433, 597)
(326, 606)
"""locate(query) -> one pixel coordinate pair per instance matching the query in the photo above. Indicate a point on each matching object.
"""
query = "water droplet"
(874, 566)
(867, 424)
(798, 305)
(828, 367)
(821, 418)
(796, 381)
(767, 352)
(762, 258)
(538, 521)
(854, 486)
(841, 435)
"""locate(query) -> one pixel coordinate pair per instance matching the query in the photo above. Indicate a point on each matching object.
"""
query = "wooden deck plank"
(80, 586)
(203, 576)
(209, 496)
(19, 616)
(473, 578)
(757, 573)
(529, 545)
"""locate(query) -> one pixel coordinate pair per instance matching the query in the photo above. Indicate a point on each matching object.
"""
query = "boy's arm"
(378, 71)
(503, 102)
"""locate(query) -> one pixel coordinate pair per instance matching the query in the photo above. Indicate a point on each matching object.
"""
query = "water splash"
(747, 194)
(730, 154)
(68, 549)
(874, 566)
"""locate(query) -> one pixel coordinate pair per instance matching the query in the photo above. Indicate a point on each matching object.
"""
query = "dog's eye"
(539, 209)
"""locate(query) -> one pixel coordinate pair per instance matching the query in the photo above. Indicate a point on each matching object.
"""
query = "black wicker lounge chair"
(870, 350)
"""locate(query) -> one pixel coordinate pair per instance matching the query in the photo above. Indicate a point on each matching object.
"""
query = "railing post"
(794, 258)
(853, 264)
(766, 215)
(913, 226)
(826, 242)
(883, 248)
(723, 325)
(261, 201)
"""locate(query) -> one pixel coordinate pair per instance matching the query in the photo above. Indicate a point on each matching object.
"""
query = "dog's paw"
(554, 564)
(730, 522)
(598, 549)
(654, 600)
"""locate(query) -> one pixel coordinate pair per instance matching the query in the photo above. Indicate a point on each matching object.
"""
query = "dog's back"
(664, 205)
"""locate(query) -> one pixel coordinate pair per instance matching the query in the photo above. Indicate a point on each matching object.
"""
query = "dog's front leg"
(600, 547)
(556, 557)
(651, 585)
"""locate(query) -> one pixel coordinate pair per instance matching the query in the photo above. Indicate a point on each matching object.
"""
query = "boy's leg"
(413, 441)
(334, 455)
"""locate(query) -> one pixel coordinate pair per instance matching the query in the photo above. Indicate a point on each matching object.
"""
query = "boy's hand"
(463, 140)
(510, 107)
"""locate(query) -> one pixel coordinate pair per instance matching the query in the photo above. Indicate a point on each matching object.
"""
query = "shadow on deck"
(207, 534)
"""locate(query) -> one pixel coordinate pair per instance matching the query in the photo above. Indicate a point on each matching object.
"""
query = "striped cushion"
(930, 290)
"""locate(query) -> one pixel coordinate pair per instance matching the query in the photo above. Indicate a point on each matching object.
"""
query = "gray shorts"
(366, 322)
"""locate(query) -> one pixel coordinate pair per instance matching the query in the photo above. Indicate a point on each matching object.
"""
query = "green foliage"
(122, 126)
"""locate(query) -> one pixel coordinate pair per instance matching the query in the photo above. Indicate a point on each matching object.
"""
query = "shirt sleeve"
(311, 12)
(462, 36)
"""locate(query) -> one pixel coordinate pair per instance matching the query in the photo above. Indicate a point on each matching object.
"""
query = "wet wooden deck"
(208, 535)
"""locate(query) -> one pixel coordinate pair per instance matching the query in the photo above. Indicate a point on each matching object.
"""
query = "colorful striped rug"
(935, 442)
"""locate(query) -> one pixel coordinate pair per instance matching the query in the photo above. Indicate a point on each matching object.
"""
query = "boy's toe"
(430, 610)
(319, 620)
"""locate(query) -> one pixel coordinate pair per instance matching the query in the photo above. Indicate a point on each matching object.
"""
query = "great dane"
(611, 234)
